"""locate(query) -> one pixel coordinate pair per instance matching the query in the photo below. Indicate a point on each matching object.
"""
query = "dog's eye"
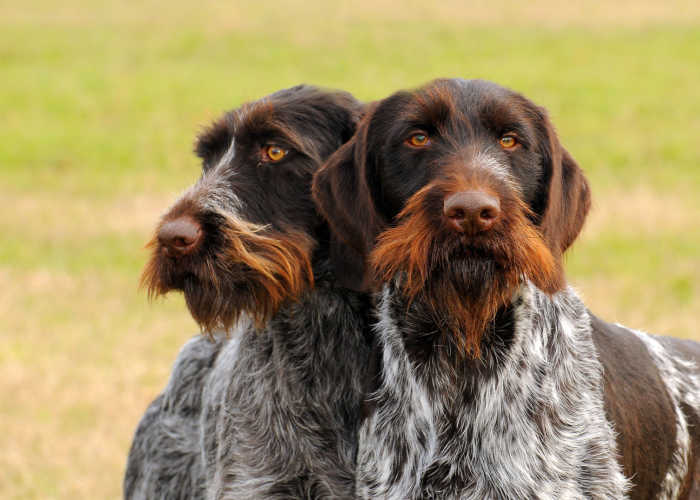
(508, 142)
(418, 140)
(273, 153)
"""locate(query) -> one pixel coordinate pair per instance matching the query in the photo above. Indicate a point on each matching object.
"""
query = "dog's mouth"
(449, 248)
(466, 278)
(238, 268)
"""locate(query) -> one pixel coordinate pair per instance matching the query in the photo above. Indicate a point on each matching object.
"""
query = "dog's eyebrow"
(503, 122)
(426, 116)
(430, 108)
(260, 123)
(518, 128)
(279, 131)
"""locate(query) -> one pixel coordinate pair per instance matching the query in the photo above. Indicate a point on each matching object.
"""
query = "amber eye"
(273, 153)
(418, 140)
(508, 141)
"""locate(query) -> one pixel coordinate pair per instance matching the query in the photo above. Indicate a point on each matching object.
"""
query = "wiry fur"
(271, 267)
(165, 459)
(264, 413)
(256, 216)
(524, 421)
(275, 409)
(285, 426)
(465, 281)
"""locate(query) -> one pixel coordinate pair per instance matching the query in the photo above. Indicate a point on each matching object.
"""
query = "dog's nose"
(472, 212)
(180, 236)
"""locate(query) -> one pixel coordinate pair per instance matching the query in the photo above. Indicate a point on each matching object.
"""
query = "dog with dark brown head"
(462, 201)
(241, 239)
(464, 189)
(277, 406)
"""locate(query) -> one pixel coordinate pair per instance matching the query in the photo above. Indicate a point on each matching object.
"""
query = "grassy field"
(100, 105)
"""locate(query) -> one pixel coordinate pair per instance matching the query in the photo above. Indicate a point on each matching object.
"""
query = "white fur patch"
(490, 163)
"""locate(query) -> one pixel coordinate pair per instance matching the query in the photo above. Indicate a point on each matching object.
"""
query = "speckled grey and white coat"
(271, 413)
(285, 425)
(165, 460)
(525, 421)
(535, 417)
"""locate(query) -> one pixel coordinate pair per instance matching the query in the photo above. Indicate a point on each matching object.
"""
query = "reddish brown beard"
(252, 270)
(463, 280)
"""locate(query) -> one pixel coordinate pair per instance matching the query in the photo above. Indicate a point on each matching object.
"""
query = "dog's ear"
(343, 197)
(214, 141)
(567, 197)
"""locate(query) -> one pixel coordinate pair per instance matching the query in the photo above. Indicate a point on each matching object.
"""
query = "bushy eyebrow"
(253, 127)
(430, 111)
(500, 120)
(515, 127)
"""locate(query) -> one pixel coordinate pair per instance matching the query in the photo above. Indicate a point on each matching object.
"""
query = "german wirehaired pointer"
(496, 382)
(274, 411)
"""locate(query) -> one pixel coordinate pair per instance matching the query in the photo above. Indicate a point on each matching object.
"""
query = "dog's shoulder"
(638, 404)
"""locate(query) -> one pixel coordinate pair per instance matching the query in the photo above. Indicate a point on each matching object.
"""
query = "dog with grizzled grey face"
(274, 410)
(496, 382)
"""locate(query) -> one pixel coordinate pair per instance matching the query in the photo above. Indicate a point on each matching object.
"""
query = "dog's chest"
(288, 424)
(528, 426)
(481, 442)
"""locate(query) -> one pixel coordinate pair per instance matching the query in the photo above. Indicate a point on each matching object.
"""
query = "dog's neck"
(429, 335)
(533, 326)
(319, 302)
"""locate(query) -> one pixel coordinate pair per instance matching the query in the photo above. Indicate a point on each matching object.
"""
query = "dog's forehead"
(473, 101)
(260, 117)
(303, 117)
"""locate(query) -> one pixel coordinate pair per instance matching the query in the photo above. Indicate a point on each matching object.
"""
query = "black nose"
(472, 212)
(180, 237)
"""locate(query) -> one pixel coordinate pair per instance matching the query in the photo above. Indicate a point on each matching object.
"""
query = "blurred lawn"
(99, 106)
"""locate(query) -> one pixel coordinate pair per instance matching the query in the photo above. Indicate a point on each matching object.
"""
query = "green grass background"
(99, 106)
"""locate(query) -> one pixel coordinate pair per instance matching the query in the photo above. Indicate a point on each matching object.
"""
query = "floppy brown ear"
(568, 197)
(343, 197)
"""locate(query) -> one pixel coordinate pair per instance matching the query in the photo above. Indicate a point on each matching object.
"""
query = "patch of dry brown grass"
(662, 298)
(77, 371)
(641, 209)
(620, 299)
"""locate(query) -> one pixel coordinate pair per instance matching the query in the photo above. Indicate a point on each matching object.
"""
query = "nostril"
(182, 241)
(180, 236)
(488, 213)
(456, 213)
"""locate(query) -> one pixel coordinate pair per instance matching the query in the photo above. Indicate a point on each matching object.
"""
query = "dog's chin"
(218, 292)
(217, 306)
(161, 275)
(465, 296)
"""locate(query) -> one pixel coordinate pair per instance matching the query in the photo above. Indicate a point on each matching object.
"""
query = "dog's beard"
(244, 269)
(463, 280)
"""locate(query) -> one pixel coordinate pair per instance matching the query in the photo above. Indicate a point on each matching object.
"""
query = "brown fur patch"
(465, 280)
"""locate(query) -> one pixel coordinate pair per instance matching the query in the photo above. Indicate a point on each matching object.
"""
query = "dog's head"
(461, 188)
(241, 238)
